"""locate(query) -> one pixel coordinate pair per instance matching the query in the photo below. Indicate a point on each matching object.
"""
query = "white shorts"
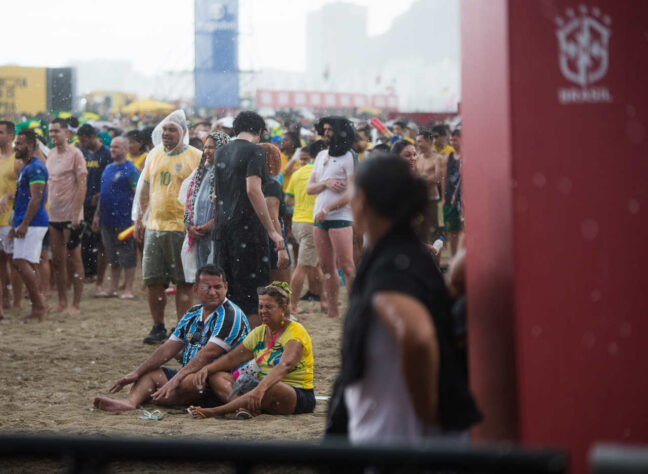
(6, 244)
(29, 248)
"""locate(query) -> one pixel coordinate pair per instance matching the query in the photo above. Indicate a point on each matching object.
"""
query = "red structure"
(555, 131)
(283, 99)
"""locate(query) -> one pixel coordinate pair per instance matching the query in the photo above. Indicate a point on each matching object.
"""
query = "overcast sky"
(157, 35)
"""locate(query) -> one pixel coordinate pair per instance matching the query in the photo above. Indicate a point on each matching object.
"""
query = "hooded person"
(331, 181)
(167, 165)
(196, 197)
(337, 132)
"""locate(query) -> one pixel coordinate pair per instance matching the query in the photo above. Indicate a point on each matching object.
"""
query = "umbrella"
(144, 106)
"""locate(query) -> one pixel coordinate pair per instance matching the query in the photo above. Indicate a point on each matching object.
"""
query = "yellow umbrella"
(144, 106)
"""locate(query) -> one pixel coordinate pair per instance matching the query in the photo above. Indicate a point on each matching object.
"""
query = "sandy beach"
(53, 370)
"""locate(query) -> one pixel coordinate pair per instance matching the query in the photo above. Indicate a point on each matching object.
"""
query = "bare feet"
(39, 314)
(73, 310)
(61, 309)
(199, 413)
(109, 404)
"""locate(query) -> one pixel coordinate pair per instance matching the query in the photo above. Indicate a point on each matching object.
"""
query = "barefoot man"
(30, 219)
(68, 174)
(206, 331)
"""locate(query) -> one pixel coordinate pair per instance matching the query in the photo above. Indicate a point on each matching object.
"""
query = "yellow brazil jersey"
(8, 180)
(304, 202)
(286, 179)
(137, 161)
(446, 150)
(165, 172)
(301, 376)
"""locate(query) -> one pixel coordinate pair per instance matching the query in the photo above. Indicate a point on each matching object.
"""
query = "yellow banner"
(23, 90)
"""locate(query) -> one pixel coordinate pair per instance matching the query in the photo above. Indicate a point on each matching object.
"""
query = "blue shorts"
(208, 399)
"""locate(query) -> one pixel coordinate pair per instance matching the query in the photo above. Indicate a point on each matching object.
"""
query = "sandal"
(193, 411)
(243, 414)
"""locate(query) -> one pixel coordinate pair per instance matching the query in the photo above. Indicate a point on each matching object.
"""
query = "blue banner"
(216, 70)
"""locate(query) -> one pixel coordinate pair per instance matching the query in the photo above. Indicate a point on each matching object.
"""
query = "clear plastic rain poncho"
(178, 119)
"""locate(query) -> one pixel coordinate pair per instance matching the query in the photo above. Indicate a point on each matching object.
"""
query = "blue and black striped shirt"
(227, 327)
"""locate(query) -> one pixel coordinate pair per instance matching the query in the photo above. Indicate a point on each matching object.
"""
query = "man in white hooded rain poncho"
(167, 166)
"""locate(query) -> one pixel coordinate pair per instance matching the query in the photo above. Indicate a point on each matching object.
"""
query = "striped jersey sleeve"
(231, 326)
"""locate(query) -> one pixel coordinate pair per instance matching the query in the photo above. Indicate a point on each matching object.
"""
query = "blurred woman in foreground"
(397, 326)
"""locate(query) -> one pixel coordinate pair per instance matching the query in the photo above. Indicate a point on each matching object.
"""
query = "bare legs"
(61, 256)
(315, 285)
(157, 301)
(29, 273)
(335, 246)
(280, 399)
(143, 389)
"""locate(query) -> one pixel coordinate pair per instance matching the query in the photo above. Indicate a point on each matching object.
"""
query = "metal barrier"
(618, 459)
(94, 455)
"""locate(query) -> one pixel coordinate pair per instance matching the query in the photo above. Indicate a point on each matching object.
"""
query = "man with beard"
(167, 166)
(30, 219)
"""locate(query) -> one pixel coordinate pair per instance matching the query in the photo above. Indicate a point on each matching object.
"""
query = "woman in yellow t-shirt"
(283, 352)
(136, 149)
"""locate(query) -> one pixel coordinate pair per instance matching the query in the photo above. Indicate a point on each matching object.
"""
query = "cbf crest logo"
(583, 54)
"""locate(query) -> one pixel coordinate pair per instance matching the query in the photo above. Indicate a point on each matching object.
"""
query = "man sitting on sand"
(206, 331)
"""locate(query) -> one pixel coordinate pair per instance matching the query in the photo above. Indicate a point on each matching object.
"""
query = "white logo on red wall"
(583, 41)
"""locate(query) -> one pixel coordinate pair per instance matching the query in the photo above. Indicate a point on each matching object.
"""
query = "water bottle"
(438, 245)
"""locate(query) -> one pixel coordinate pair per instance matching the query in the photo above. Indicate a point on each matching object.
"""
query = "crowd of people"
(241, 219)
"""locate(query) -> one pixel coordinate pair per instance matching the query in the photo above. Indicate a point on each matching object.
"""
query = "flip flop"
(197, 410)
(127, 297)
(243, 414)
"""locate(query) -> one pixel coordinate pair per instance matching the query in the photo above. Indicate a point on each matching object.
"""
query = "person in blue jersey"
(30, 219)
(113, 215)
(206, 331)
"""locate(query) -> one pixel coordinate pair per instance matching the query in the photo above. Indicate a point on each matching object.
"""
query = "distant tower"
(216, 69)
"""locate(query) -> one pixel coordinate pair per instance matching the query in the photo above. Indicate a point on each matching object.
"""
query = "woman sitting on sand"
(282, 350)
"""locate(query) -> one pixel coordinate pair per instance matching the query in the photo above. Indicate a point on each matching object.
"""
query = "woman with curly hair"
(199, 210)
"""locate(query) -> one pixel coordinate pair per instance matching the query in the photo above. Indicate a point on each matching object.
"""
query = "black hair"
(315, 147)
(440, 129)
(399, 146)
(9, 125)
(211, 269)
(30, 136)
(401, 123)
(137, 136)
(425, 133)
(294, 137)
(87, 130)
(147, 134)
(380, 148)
(73, 122)
(196, 143)
(391, 189)
(457, 133)
(249, 121)
(63, 123)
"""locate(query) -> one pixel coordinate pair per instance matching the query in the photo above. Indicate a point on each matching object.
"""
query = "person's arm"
(4, 202)
(290, 200)
(411, 325)
(273, 207)
(82, 181)
(340, 202)
(313, 187)
(293, 352)
(36, 190)
(255, 194)
(163, 354)
(95, 218)
(204, 356)
(138, 231)
(229, 361)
